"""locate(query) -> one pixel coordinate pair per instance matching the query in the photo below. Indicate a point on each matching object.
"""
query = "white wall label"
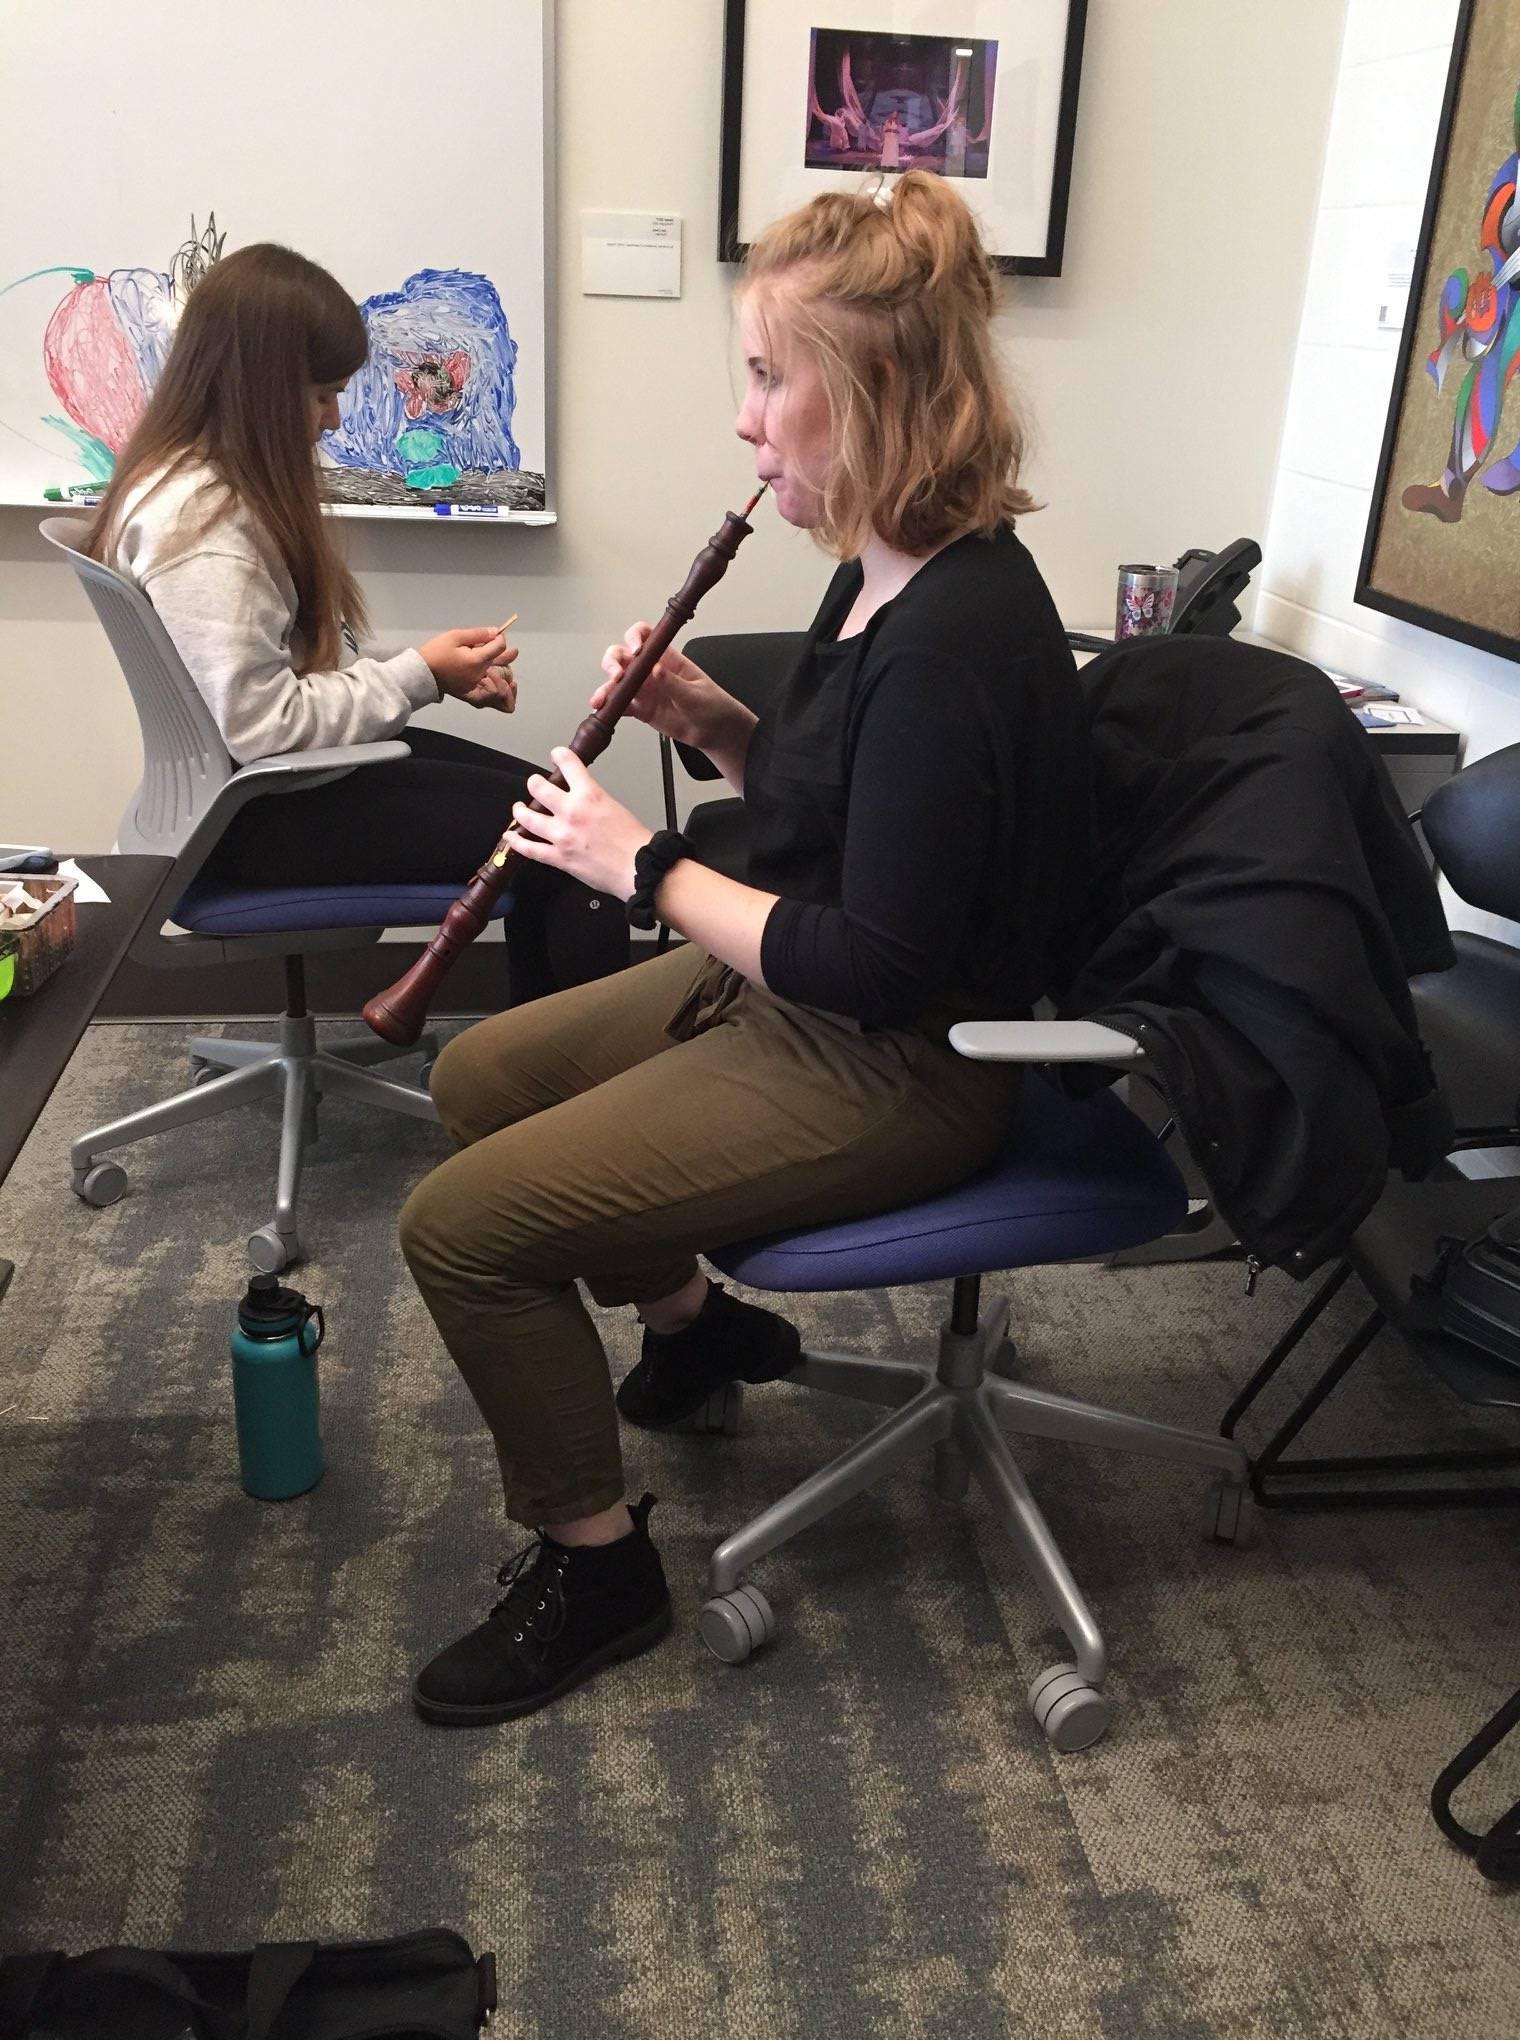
(1394, 303)
(630, 254)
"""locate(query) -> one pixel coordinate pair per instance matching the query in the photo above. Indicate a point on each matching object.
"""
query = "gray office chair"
(189, 793)
(1470, 1022)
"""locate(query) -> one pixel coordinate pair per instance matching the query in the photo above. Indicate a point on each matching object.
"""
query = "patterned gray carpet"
(203, 1699)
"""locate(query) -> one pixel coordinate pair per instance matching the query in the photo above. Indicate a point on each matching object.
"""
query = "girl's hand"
(677, 698)
(473, 666)
(497, 690)
(586, 832)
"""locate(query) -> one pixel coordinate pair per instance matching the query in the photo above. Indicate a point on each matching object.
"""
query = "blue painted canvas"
(429, 416)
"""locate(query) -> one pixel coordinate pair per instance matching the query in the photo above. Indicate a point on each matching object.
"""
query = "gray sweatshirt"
(231, 615)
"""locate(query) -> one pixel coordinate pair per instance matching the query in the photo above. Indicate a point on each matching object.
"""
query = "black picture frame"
(1414, 341)
(1047, 263)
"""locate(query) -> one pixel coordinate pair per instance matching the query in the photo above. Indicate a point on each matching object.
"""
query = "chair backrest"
(1472, 823)
(1209, 585)
(749, 664)
(185, 762)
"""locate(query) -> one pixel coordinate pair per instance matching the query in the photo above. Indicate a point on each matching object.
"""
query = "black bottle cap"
(269, 1307)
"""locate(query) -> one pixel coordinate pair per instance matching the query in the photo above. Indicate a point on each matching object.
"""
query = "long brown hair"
(894, 297)
(262, 328)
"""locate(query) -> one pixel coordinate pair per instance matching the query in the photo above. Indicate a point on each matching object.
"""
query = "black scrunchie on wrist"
(650, 865)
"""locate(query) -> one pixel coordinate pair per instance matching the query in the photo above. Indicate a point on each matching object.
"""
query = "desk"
(38, 1035)
(1419, 756)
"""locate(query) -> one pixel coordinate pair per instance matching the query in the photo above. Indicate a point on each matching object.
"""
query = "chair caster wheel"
(1231, 1513)
(733, 1625)
(722, 1413)
(271, 1252)
(103, 1184)
(425, 1075)
(203, 1072)
(1006, 1361)
(1072, 1715)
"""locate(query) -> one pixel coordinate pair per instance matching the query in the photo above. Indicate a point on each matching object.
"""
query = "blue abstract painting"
(429, 416)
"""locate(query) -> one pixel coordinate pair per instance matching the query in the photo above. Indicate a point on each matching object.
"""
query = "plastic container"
(44, 940)
(274, 1390)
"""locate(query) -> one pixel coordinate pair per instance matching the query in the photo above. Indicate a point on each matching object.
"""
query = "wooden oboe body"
(398, 1013)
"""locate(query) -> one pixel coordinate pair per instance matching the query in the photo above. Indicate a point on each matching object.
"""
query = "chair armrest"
(1044, 1041)
(290, 772)
(332, 759)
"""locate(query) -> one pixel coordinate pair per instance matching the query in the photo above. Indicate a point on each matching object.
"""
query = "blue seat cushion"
(208, 909)
(1075, 1178)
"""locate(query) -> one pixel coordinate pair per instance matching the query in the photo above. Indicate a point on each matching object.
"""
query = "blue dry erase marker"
(467, 509)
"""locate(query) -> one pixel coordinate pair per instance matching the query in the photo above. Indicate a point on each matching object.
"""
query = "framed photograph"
(818, 94)
(1444, 531)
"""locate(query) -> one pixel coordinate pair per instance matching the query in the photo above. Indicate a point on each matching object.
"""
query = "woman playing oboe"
(917, 807)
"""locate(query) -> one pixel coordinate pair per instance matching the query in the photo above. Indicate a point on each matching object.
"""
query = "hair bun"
(938, 233)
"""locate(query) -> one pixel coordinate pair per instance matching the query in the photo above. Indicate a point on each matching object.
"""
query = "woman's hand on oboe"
(585, 832)
(678, 699)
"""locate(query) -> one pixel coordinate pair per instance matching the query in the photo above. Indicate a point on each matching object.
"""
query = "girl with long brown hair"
(917, 803)
(215, 512)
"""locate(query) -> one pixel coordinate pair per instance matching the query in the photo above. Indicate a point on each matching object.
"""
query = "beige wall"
(1157, 367)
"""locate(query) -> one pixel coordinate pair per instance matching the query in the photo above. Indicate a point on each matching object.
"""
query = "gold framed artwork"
(1443, 539)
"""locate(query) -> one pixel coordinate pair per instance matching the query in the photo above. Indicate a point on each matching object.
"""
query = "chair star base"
(229, 1074)
(961, 1410)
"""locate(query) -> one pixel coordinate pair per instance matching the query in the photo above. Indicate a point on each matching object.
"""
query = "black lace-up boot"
(568, 1611)
(726, 1341)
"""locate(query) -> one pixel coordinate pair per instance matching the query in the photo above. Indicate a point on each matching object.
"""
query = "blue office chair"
(190, 791)
(1075, 1180)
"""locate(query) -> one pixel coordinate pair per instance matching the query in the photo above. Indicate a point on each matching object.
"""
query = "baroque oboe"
(397, 1014)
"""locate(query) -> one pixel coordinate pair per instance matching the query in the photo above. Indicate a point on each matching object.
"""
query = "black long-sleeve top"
(919, 796)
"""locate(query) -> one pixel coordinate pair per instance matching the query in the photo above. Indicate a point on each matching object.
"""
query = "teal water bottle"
(274, 1390)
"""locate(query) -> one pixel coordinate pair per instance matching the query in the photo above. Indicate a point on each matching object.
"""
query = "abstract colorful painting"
(429, 416)
(1445, 527)
(428, 419)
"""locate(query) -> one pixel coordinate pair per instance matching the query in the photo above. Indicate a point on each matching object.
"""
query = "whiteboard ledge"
(422, 515)
(425, 514)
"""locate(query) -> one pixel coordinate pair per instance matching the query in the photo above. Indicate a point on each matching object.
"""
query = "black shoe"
(567, 1613)
(726, 1341)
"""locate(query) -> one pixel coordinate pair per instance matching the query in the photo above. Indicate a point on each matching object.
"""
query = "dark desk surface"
(38, 1035)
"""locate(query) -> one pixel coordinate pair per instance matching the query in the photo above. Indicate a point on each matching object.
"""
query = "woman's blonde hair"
(894, 297)
(259, 331)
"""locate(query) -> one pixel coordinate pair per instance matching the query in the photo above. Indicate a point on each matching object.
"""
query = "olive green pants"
(612, 1132)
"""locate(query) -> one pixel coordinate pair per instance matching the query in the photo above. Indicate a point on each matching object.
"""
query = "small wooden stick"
(502, 633)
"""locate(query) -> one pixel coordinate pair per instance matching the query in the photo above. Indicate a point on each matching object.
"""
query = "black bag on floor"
(424, 1986)
(1475, 1289)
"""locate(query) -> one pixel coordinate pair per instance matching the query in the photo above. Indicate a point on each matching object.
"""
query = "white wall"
(1157, 367)
(1383, 133)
